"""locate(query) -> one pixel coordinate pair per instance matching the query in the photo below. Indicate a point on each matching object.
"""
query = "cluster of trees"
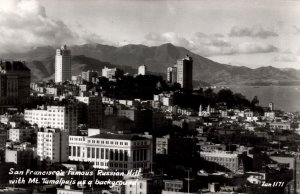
(144, 87)
(128, 87)
(223, 98)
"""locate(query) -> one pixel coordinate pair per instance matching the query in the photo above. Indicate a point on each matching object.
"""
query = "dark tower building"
(14, 84)
(185, 72)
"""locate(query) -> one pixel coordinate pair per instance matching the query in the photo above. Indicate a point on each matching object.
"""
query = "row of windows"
(107, 142)
(140, 165)
(221, 159)
(115, 165)
(100, 153)
(111, 154)
(140, 155)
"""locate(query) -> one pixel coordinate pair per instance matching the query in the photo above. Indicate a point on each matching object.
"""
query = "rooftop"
(118, 136)
(13, 66)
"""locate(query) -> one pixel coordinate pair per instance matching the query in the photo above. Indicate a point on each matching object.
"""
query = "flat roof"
(118, 136)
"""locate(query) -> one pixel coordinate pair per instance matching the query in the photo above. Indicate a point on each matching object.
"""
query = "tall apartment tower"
(185, 72)
(63, 64)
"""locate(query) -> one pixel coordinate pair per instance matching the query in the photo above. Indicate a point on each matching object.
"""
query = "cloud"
(255, 47)
(217, 44)
(203, 35)
(285, 57)
(254, 31)
(297, 30)
(167, 37)
(24, 24)
(209, 45)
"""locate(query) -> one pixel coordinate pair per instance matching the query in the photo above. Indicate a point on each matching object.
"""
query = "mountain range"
(157, 58)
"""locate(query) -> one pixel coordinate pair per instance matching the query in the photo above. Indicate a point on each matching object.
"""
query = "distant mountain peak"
(157, 58)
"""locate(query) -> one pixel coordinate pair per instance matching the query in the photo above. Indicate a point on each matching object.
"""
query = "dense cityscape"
(156, 136)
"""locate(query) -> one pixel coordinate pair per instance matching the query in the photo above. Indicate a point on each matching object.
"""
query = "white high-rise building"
(63, 64)
(61, 117)
(142, 70)
(52, 145)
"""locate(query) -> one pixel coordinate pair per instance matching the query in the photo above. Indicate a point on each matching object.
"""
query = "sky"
(251, 33)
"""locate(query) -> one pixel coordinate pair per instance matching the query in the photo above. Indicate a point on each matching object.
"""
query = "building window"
(74, 151)
(93, 152)
(134, 155)
(126, 155)
(97, 153)
(116, 155)
(70, 153)
(78, 151)
(102, 153)
(88, 152)
(106, 153)
(121, 155)
(111, 154)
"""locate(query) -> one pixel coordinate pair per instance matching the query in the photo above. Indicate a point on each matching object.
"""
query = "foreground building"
(52, 145)
(112, 151)
(20, 156)
(93, 110)
(20, 134)
(14, 84)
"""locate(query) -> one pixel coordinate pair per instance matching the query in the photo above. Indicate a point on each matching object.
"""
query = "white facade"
(112, 151)
(140, 186)
(61, 117)
(52, 145)
(63, 64)
(223, 158)
(142, 70)
(165, 99)
(109, 73)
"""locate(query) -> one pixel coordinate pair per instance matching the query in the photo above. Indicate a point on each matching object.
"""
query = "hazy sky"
(252, 33)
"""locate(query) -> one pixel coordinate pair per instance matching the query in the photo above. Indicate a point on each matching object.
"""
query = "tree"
(254, 101)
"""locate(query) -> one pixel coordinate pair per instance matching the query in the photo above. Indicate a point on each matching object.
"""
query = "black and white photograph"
(150, 96)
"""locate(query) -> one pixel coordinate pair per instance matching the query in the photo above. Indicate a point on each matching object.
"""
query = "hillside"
(158, 58)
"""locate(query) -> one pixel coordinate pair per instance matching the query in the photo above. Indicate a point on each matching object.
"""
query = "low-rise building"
(228, 160)
(20, 134)
(52, 145)
(280, 126)
(62, 117)
(112, 151)
(22, 157)
(68, 189)
(144, 185)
